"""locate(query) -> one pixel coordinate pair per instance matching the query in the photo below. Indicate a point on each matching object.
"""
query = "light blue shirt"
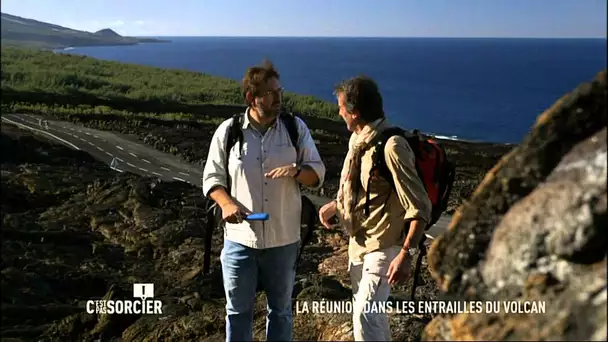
(280, 198)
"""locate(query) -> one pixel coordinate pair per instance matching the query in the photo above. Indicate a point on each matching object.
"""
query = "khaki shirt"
(389, 210)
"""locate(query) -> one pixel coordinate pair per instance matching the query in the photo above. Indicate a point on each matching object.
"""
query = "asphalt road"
(124, 153)
(119, 151)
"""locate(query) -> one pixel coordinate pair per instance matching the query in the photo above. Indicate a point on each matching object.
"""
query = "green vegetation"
(43, 81)
(18, 31)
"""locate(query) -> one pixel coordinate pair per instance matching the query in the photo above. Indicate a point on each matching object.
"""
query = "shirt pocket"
(281, 155)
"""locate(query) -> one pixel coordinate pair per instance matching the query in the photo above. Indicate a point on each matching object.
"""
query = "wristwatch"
(299, 169)
(411, 251)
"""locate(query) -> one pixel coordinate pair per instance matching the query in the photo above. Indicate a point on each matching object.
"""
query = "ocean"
(479, 89)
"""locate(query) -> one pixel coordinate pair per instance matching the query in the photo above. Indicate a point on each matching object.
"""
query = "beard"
(270, 112)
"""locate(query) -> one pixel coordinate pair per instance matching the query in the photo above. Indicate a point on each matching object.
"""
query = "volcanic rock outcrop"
(535, 231)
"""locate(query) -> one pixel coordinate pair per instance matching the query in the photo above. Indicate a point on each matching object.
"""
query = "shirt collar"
(246, 123)
(369, 131)
(372, 126)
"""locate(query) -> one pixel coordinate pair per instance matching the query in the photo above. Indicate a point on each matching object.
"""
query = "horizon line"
(414, 37)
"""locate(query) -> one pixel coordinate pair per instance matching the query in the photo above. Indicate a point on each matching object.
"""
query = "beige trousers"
(370, 283)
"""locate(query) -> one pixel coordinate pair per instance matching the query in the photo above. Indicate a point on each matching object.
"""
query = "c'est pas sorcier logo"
(140, 306)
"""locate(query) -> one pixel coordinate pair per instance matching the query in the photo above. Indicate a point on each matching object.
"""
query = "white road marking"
(144, 170)
(90, 143)
(110, 154)
(156, 173)
(99, 148)
(52, 135)
(120, 159)
(133, 154)
(96, 136)
(131, 165)
(120, 148)
(147, 161)
(87, 133)
(185, 174)
(179, 179)
(164, 168)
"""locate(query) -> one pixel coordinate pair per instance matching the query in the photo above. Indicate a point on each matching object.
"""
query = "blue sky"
(384, 18)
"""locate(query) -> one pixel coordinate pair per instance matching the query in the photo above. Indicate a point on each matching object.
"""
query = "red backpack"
(434, 169)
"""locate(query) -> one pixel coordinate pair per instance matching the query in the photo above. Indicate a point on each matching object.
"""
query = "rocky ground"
(74, 230)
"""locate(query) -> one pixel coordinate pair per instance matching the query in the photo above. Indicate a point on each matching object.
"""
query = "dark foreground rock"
(74, 230)
(535, 230)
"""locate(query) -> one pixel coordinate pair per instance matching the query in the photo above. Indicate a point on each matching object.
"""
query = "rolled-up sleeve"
(214, 172)
(309, 154)
(412, 194)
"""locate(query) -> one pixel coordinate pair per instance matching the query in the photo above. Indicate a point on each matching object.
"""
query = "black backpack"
(309, 215)
(434, 169)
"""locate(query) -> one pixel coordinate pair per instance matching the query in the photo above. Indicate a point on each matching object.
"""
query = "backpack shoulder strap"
(213, 213)
(289, 120)
(235, 134)
(380, 143)
(379, 166)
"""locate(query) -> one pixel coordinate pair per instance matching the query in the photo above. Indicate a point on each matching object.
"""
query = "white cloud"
(117, 23)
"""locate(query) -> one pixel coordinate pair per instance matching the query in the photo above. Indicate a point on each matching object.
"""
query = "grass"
(47, 81)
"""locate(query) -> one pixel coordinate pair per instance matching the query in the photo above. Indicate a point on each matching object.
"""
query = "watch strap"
(299, 169)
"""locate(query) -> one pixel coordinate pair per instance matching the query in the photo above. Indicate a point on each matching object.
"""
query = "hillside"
(18, 31)
(43, 80)
(107, 33)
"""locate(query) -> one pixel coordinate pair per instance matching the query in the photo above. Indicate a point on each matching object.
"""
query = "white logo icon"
(140, 305)
(143, 291)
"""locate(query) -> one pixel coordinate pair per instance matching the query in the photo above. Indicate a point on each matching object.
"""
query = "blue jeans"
(274, 268)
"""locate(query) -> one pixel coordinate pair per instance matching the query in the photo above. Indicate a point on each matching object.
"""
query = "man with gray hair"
(380, 249)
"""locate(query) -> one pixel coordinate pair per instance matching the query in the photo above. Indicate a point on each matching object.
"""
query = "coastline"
(104, 224)
(58, 48)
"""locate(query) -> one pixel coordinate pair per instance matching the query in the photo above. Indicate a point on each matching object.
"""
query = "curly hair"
(361, 93)
(256, 76)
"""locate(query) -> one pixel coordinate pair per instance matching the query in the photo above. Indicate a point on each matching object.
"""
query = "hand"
(400, 268)
(326, 213)
(232, 213)
(283, 171)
